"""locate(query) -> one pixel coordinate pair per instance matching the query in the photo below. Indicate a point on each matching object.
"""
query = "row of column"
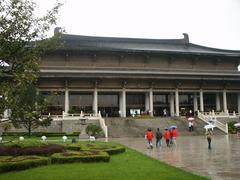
(149, 102)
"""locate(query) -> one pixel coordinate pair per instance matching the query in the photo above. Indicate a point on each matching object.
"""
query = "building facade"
(126, 76)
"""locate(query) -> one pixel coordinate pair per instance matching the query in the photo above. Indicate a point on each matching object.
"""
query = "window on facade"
(160, 99)
(108, 100)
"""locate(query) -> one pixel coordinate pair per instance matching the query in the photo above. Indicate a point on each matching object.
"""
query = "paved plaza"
(192, 154)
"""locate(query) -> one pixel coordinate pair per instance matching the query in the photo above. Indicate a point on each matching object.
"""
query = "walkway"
(191, 154)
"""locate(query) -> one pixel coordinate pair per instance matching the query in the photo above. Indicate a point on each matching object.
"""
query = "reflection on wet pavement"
(192, 154)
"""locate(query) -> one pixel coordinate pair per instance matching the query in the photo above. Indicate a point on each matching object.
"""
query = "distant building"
(119, 76)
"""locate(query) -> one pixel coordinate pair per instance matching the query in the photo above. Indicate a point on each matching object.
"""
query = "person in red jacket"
(149, 136)
(167, 136)
(174, 136)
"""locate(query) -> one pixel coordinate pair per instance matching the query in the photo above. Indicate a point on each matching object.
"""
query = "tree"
(22, 42)
(28, 108)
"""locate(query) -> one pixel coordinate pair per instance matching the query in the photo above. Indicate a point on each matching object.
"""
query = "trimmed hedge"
(9, 163)
(74, 147)
(82, 156)
(110, 149)
(45, 150)
(40, 134)
(26, 143)
(117, 150)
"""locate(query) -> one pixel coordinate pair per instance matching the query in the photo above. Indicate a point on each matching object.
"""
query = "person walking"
(209, 135)
(174, 136)
(167, 136)
(149, 136)
(158, 138)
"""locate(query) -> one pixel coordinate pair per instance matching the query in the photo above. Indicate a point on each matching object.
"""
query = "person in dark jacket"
(158, 138)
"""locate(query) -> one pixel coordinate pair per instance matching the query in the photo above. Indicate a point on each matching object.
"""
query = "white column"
(95, 102)
(177, 102)
(123, 102)
(238, 102)
(171, 104)
(120, 104)
(151, 102)
(66, 108)
(201, 101)
(218, 108)
(147, 102)
(225, 101)
(195, 103)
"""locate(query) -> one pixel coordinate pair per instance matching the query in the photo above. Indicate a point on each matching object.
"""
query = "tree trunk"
(29, 130)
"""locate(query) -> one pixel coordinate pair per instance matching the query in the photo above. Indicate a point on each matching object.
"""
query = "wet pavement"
(192, 154)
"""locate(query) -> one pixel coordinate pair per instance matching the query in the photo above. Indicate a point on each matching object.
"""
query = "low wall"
(67, 126)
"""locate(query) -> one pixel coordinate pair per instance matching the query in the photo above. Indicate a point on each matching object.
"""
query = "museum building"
(128, 76)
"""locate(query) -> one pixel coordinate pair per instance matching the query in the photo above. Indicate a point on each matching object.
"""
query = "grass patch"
(129, 165)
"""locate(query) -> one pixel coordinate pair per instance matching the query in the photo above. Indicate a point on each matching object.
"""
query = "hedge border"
(58, 158)
(112, 150)
(24, 164)
(40, 134)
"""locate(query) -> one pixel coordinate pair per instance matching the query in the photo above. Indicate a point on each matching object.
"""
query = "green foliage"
(40, 134)
(15, 163)
(109, 148)
(93, 130)
(129, 165)
(27, 143)
(81, 156)
(28, 108)
(231, 128)
(21, 34)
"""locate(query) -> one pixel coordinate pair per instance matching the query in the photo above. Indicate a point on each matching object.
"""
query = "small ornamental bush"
(231, 128)
(9, 163)
(93, 130)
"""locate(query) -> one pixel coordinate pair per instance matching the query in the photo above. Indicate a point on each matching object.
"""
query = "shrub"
(110, 149)
(9, 163)
(37, 134)
(116, 150)
(231, 128)
(93, 130)
(45, 150)
(74, 147)
(82, 156)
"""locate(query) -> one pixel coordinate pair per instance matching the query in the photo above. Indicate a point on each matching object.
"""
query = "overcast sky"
(213, 23)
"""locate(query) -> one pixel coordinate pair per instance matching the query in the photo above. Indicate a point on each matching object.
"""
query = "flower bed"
(21, 155)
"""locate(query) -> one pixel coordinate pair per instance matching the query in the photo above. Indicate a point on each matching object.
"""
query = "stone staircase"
(132, 127)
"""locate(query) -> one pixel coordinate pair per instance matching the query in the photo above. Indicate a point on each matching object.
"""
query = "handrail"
(218, 124)
(103, 126)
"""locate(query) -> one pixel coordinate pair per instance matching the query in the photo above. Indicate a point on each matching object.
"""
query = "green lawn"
(130, 165)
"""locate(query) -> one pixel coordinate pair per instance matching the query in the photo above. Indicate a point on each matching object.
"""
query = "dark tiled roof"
(178, 46)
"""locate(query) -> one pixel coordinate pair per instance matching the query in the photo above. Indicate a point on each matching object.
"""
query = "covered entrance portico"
(122, 102)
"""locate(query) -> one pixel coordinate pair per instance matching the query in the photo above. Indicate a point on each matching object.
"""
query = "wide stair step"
(132, 127)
